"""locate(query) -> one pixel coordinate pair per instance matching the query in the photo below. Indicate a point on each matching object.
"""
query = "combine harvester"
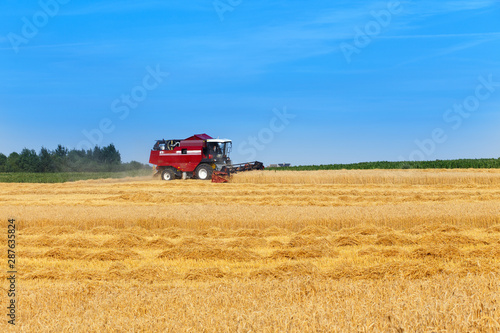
(199, 156)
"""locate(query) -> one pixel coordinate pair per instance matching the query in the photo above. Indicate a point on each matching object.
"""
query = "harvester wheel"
(168, 174)
(203, 172)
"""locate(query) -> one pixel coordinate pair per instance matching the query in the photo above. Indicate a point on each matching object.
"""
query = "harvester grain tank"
(199, 156)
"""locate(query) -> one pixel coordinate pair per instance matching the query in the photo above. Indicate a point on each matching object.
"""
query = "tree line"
(481, 163)
(105, 159)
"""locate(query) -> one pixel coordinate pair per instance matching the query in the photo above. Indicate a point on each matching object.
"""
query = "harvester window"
(215, 148)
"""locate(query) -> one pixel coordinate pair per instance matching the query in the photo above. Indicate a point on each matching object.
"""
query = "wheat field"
(325, 251)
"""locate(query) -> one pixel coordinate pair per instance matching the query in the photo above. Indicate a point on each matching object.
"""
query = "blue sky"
(288, 81)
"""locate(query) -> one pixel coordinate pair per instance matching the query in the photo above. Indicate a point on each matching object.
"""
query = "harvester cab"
(199, 156)
(218, 151)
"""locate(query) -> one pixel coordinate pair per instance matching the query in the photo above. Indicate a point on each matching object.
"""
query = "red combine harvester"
(199, 156)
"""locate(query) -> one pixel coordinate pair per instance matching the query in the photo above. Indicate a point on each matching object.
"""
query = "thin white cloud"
(429, 8)
(468, 5)
(111, 7)
(448, 50)
(320, 34)
(46, 46)
(479, 35)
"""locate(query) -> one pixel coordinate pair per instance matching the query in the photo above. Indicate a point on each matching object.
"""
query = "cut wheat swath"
(357, 251)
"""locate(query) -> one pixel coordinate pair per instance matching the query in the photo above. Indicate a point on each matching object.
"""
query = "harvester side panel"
(185, 157)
